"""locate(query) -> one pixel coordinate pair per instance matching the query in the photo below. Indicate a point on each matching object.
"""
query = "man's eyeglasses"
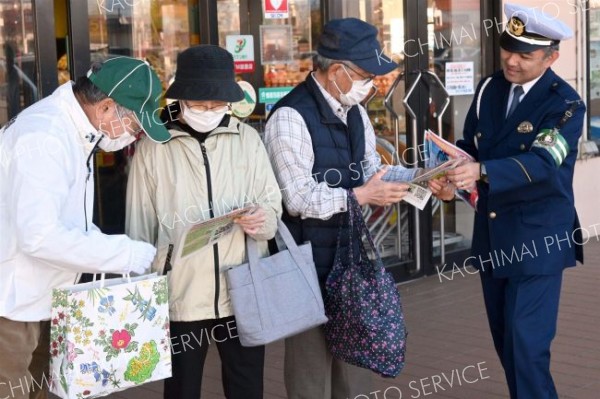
(363, 77)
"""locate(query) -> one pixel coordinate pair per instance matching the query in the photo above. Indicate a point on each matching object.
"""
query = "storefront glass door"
(18, 77)
(456, 59)
(156, 31)
(437, 45)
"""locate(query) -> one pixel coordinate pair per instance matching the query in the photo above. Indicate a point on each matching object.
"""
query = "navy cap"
(529, 29)
(350, 39)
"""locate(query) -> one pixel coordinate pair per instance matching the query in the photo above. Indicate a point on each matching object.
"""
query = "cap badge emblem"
(516, 26)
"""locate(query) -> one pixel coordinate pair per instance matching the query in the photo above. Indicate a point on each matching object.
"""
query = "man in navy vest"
(526, 227)
(322, 144)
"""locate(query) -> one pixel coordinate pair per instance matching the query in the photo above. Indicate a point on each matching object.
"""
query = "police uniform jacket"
(526, 223)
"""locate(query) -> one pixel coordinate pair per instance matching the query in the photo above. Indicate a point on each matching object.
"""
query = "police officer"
(526, 226)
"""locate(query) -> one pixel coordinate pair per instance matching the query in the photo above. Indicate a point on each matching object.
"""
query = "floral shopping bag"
(109, 335)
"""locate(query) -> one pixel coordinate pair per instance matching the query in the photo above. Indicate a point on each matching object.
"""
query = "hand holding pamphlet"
(436, 171)
(440, 151)
(199, 235)
(442, 156)
(418, 195)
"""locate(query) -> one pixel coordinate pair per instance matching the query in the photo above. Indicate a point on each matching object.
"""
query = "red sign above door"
(276, 9)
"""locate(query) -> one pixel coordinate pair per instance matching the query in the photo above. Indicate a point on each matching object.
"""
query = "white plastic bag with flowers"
(109, 335)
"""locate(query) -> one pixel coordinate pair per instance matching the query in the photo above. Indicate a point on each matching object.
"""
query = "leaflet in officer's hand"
(199, 235)
(440, 150)
(439, 171)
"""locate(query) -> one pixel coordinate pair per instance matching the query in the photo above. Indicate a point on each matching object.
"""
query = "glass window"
(288, 44)
(154, 30)
(594, 78)
(453, 46)
(18, 78)
(391, 227)
(228, 14)
(455, 57)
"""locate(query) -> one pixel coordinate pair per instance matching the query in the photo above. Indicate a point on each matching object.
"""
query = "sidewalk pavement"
(450, 352)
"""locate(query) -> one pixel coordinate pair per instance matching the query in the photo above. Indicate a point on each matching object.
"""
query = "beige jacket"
(168, 189)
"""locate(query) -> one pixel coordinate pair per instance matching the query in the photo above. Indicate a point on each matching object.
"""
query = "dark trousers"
(241, 367)
(311, 371)
(522, 313)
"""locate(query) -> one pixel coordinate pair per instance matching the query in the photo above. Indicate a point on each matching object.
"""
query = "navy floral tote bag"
(366, 324)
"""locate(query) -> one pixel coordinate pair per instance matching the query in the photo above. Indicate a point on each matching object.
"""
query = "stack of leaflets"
(439, 151)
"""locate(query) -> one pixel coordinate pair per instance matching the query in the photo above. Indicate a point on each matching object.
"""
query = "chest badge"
(525, 127)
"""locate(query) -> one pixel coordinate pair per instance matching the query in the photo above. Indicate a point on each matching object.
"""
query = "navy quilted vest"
(339, 150)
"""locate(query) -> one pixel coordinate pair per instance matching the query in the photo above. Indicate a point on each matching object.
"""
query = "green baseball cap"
(134, 85)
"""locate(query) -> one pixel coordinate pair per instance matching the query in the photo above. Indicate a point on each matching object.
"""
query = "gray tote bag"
(277, 296)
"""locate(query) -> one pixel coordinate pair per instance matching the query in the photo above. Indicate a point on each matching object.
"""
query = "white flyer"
(417, 196)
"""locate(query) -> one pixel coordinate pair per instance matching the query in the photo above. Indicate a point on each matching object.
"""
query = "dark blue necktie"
(517, 93)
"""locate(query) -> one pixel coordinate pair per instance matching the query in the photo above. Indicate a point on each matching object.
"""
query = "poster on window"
(276, 44)
(460, 78)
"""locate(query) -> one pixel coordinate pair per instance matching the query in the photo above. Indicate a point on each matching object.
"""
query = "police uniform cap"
(529, 29)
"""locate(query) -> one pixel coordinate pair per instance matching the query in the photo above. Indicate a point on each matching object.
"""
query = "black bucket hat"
(205, 73)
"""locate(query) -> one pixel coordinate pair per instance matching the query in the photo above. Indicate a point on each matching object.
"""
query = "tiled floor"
(450, 353)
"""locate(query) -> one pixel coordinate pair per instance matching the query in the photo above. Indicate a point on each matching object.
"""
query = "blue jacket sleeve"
(524, 170)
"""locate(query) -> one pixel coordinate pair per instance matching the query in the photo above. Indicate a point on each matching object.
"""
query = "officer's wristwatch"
(483, 173)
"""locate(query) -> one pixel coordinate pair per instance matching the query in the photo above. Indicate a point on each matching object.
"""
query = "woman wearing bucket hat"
(213, 163)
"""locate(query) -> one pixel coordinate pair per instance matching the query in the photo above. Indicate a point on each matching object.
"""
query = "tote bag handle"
(103, 278)
(357, 228)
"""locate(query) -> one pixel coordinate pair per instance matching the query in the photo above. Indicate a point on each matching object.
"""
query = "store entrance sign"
(275, 9)
(268, 95)
(241, 48)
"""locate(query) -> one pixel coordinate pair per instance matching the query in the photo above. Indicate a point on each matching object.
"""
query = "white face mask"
(359, 90)
(203, 121)
(110, 145)
(125, 118)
